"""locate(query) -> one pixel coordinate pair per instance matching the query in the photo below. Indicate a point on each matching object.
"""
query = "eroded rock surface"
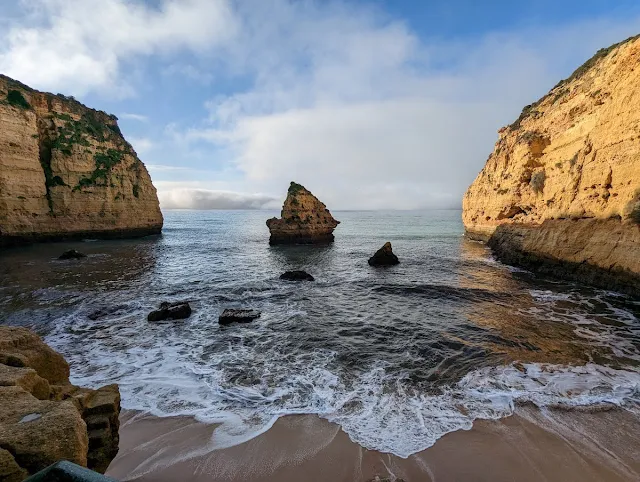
(43, 418)
(571, 157)
(304, 220)
(67, 171)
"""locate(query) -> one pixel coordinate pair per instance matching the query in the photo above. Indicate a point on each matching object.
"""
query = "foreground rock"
(304, 220)
(43, 418)
(561, 191)
(296, 276)
(67, 171)
(384, 256)
(171, 311)
(229, 316)
(72, 254)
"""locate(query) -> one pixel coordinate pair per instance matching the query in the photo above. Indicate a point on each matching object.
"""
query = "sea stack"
(304, 220)
(384, 256)
(66, 171)
(560, 194)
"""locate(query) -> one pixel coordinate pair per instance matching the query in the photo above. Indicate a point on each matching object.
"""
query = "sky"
(371, 104)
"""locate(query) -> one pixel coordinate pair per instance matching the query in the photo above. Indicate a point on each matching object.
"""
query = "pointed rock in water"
(384, 256)
(171, 311)
(296, 276)
(72, 254)
(304, 220)
(237, 316)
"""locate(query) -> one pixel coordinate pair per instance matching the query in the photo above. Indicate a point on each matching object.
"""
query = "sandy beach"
(533, 445)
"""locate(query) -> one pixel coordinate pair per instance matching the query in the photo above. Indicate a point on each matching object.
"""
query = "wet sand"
(533, 445)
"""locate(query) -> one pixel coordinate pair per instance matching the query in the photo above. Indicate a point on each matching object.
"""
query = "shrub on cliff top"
(16, 99)
(295, 188)
(635, 214)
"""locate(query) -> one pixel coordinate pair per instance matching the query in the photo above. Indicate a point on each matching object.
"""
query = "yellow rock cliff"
(67, 171)
(561, 190)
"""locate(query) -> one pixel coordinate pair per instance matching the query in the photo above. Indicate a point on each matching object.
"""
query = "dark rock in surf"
(296, 276)
(171, 311)
(72, 254)
(229, 316)
(384, 256)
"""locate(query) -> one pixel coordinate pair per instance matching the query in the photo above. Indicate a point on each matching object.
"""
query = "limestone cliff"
(43, 418)
(304, 220)
(67, 171)
(563, 183)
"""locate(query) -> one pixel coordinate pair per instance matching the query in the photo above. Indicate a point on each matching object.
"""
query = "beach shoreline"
(531, 445)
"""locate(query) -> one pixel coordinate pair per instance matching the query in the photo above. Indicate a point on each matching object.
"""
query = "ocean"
(396, 356)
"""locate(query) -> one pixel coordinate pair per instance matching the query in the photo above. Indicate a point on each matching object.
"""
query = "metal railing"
(68, 472)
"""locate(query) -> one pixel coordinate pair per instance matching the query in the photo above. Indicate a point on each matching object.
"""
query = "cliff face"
(67, 171)
(304, 220)
(563, 183)
(43, 418)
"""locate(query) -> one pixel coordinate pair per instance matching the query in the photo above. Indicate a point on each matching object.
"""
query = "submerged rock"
(43, 418)
(304, 220)
(384, 256)
(171, 311)
(296, 276)
(237, 316)
(72, 254)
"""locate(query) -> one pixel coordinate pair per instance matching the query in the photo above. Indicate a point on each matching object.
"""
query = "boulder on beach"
(72, 254)
(171, 311)
(384, 256)
(43, 418)
(304, 220)
(296, 276)
(237, 316)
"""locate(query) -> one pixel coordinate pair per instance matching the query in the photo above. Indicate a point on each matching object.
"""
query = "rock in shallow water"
(296, 276)
(72, 254)
(304, 220)
(384, 256)
(171, 311)
(237, 316)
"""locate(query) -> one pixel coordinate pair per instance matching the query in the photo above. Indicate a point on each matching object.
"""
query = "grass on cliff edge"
(578, 73)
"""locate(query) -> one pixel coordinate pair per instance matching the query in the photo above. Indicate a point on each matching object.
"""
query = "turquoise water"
(397, 356)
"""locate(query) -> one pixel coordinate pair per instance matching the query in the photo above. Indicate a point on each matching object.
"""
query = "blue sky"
(370, 104)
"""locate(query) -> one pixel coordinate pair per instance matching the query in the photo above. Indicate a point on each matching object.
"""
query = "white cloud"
(135, 117)
(79, 45)
(372, 117)
(142, 145)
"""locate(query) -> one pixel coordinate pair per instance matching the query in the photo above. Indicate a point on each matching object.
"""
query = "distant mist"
(208, 199)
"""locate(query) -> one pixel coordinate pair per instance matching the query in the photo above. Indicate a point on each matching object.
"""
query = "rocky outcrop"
(229, 316)
(384, 256)
(66, 171)
(43, 418)
(561, 191)
(304, 220)
(171, 311)
(296, 276)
